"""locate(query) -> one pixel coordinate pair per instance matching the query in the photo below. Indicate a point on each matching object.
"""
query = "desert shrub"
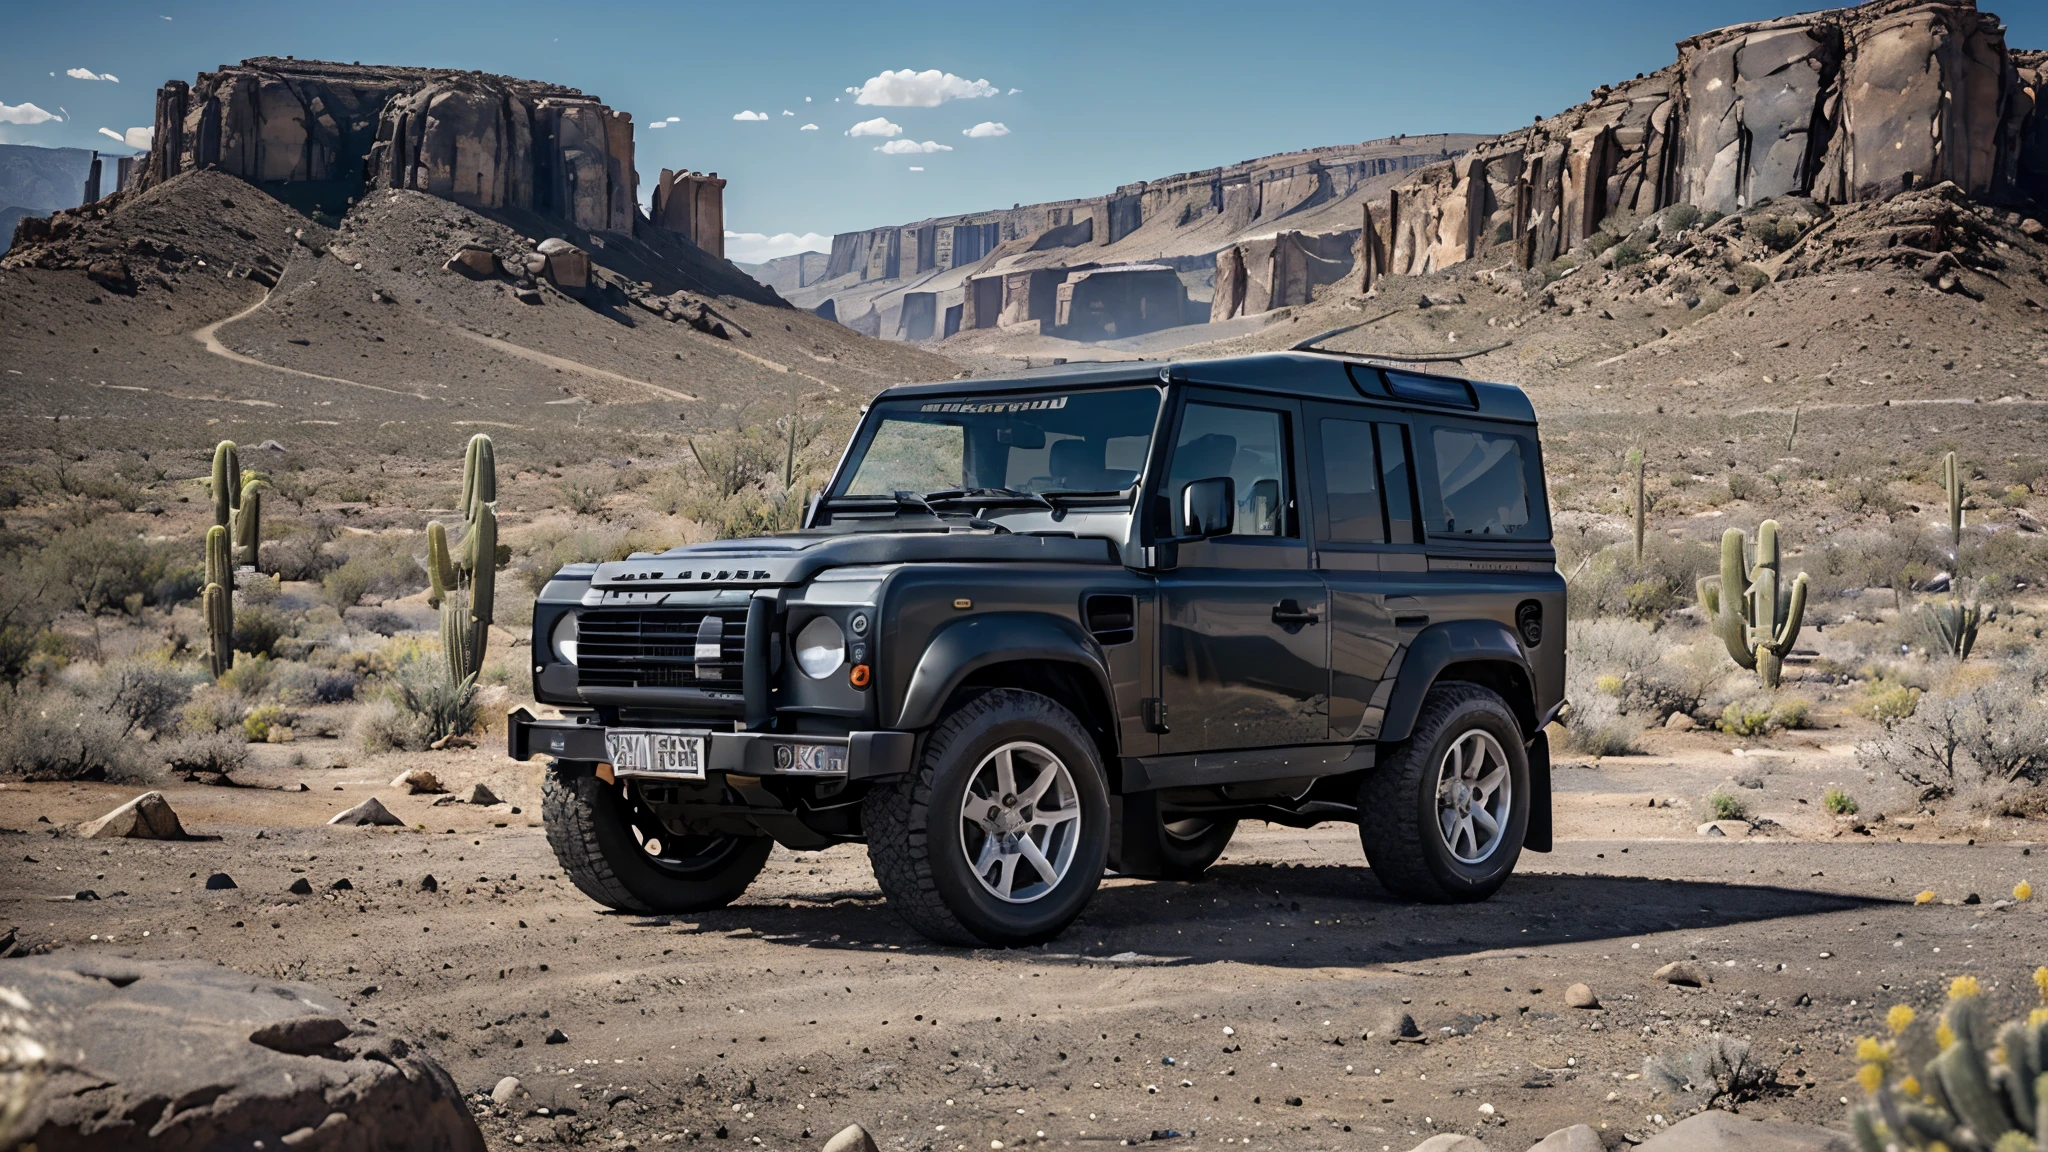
(144, 694)
(346, 585)
(420, 707)
(212, 709)
(745, 513)
(62, 736)
(1626, 253)
(1602, 240)
(385, 567)
(1838, 802)
(1725, 805)
(1871, 494)
(1746, 718)
(584, 497)
(264, 719)
(1743, 486)
(1774, 232)
(1595, 726)
(302, 555)
(1970, 732)
(303, 684)
(1718, 1071)
(179, 583)
(212, 752)
(1623, 649)
(98, 569)
(1752, 277)
(1679, 217)
(260, 627)
(251, 677)
(1792, 713)
(1608, 581)
(1714, 216)
(26, 609)
(1686, 678)
(381, 727)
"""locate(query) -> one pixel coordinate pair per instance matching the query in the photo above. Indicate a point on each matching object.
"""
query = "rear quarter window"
(1483, 482)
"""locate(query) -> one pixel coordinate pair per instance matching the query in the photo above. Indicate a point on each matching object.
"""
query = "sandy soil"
(1271, 987)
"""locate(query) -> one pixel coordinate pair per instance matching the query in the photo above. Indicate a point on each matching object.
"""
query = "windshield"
(1031, 445)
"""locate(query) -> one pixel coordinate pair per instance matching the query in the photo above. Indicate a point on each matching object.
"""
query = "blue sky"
(1089, 95)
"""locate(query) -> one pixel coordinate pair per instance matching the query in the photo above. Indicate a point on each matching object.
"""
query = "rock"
(1580, 996)
(147, 817)
(852, 1138)
(418, 781)
(527, 296)
(555, 1036)
(1680, 972)
(230, 1049)
(505, 1090)
(1442, 299)
(301, 1035)
(1718, 1131)
(112, 275)
(478, 794)
(301, 887)
(341, 885)
(568, 267)
(1450, 1142)
(1681, 722)
(219, 882)
(1577, 1138)
(429, 884)
(476, 262)
(1737, 828)
(369, 812)
(2033, 228)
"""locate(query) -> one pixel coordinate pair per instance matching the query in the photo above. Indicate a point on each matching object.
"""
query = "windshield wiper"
(983, 493)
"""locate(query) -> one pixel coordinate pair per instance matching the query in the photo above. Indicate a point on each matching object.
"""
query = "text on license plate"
(655, 753)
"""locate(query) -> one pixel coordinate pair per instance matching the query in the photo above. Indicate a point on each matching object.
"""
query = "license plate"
(640, 753)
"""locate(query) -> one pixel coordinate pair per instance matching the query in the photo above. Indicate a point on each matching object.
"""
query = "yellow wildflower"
(1871, 1051)
(1871, 1076)
(2041, 981)
(1899, 1018)
(1962, 987)
(1926, 897)
(2023, 891)
(1910, 1086)
(2037, 1017)
(1944, 1036)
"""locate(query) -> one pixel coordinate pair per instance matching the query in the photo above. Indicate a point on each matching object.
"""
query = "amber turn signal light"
(860, 676)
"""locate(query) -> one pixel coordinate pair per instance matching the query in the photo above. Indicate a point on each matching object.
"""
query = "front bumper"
(867, 754)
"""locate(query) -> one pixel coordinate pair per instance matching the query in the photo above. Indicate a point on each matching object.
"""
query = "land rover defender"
(1040, 627)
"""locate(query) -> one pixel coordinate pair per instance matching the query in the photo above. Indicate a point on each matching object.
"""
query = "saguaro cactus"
(464, 586)
(237, 503)
(217, 602)
(1635, 463)
(1952, 481)
(1752, 611)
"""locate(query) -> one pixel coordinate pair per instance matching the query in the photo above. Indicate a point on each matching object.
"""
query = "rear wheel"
(1000, 835)
(1442, 818)
(619, 855)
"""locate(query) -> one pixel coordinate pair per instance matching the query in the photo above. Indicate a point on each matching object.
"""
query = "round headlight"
(820, 648)
(563, 638)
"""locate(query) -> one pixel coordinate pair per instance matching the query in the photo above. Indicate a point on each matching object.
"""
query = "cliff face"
(320, 134)
(1841, 106)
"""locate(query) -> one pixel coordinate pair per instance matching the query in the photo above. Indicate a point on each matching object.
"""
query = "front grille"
(659, 648)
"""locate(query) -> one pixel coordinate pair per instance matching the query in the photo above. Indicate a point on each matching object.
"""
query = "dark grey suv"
(1041, 627)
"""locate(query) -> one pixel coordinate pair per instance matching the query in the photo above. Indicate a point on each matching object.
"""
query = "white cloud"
(808, 128)
(137, 138)
(659, 124)
(787, 112)
(750, 116)
(807, 99)
(24, 114)
(879, 126)
(759, 248)
(89, 74)
(673, 120)
(916, 168)
(904, 147)
(927, 89)
(985, 129)
(1013, 91)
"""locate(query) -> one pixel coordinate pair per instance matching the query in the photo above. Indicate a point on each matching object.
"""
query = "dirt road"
(1260, 1005)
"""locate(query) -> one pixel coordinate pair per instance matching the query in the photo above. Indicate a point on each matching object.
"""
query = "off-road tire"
(912, 825)
(1397, 804)
(587, 827)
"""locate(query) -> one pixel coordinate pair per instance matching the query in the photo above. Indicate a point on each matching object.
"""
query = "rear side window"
(1487, 485)
(1351, 483)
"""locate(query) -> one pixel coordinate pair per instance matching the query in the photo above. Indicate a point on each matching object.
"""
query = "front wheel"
(620, 856)
(999, 836)
(1442, 818)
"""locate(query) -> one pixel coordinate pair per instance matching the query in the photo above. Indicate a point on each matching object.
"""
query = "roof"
(1303, 375)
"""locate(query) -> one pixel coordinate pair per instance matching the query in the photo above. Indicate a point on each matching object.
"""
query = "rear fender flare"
(965, 646)
(1440, 646)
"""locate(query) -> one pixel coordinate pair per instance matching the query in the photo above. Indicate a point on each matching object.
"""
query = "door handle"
(1291, 612)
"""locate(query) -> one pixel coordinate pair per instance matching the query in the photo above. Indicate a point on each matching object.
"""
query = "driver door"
(1244, 620)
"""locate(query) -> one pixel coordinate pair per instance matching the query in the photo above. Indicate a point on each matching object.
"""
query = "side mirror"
(1208, 506)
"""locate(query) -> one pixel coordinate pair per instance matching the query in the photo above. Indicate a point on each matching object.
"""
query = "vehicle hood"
(796, 557)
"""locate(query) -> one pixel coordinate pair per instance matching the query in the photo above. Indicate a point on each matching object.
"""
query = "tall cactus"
(1635, 463)
(463, 586)
(1753, 612)
(217, 602)
(1952, 481)
(1956, 620)
(237, 504)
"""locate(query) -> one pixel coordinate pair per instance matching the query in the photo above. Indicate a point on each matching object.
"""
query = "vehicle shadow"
(1328, 916)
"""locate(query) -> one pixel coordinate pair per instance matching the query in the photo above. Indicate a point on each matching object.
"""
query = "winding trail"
(209, 338)
(564, 364)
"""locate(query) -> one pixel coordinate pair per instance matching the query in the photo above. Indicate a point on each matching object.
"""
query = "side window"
(1350, 495)
(1394, 481)
(1482, 484)
(1246, 444)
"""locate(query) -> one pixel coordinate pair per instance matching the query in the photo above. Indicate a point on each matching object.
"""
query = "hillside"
(42, 179)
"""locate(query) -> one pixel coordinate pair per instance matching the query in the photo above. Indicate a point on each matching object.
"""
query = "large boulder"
(370, 813)
(194, 1056)
(1717, 1131)
(147, 817)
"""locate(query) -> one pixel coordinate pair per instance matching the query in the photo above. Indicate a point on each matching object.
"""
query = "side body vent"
(1111, 619)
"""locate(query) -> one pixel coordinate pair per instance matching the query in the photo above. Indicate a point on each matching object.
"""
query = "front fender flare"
(1436, 648)
(965, 646)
